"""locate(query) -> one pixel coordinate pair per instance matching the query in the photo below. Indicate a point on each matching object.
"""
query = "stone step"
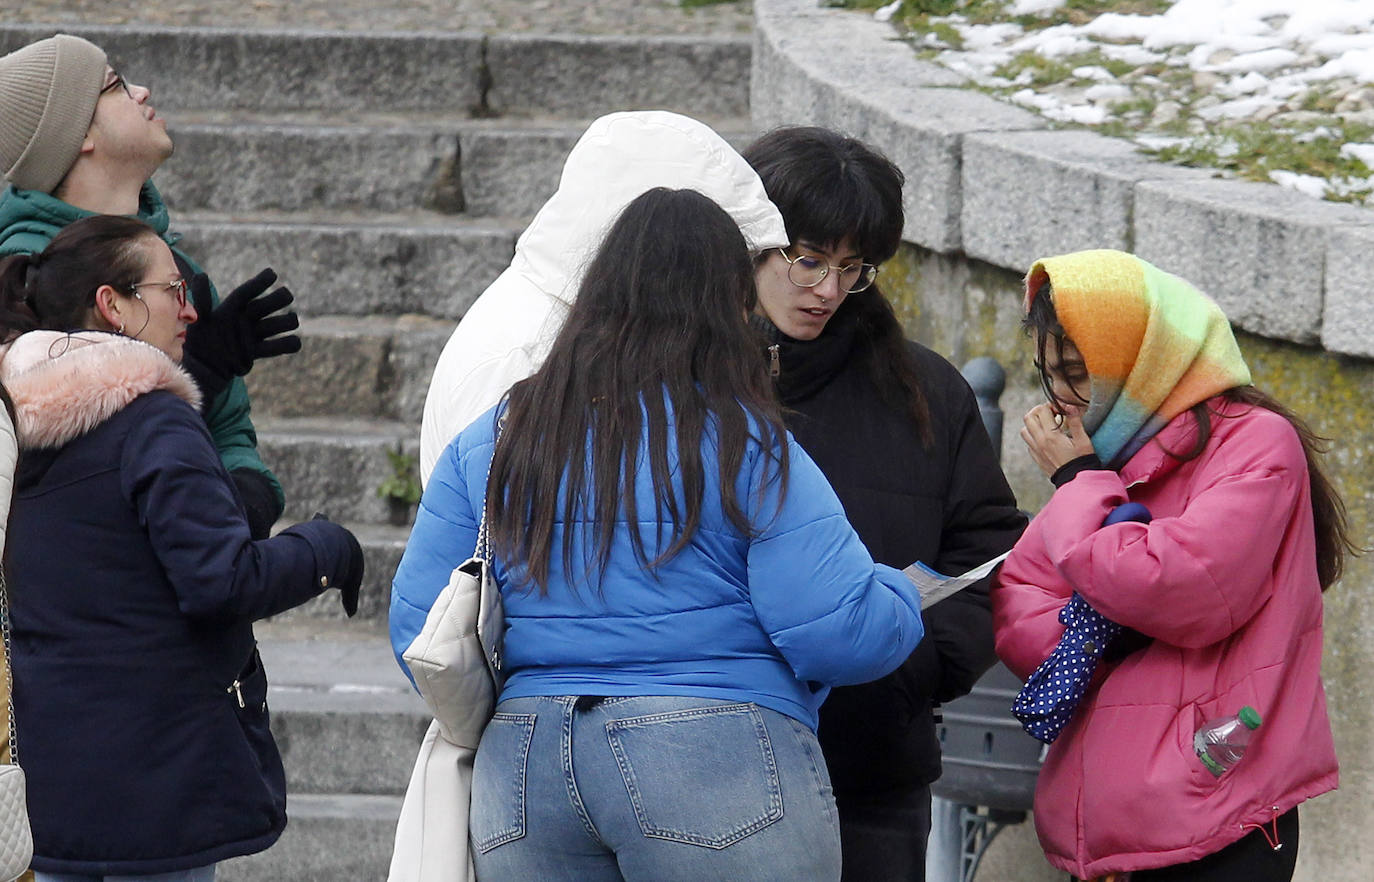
(239, 69)
(383, 545)
(480, 168)
(586, 76)
(345, 717)
(290, 166)
(453, 73)
(376, 367)
(348, 264)
(328, 838)
(335, 465)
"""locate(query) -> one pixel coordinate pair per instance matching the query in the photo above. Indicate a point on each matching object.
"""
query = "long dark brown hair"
(656, 338)
(1332, 528)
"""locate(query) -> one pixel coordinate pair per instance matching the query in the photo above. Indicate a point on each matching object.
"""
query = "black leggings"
(1249, 859)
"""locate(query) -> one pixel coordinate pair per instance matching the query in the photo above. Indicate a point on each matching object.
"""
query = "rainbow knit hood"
(1153, 344)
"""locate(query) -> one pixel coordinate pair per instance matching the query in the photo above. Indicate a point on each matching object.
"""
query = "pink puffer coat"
(1224, 580)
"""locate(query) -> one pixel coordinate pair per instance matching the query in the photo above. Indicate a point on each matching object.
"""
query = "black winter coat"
(139, 697)
(946, 504)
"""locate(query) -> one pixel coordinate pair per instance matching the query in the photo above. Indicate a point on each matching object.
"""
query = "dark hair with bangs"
(1330, 523)
(657, 336)
(830, 188)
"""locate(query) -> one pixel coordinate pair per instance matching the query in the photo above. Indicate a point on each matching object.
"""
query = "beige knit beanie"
(48, 92)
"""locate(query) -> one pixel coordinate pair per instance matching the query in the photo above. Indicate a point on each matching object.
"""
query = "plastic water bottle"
(1221, 743)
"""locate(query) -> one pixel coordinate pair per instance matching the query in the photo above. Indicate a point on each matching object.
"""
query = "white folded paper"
(935, 587)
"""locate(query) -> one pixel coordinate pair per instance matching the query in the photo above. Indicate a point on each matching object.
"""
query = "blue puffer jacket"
(140, 701)
(776, 619)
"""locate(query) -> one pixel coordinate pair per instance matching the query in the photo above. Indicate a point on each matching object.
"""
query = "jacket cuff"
(1070, 470)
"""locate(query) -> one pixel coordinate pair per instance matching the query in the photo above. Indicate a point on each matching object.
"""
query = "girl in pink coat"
(1218, 592)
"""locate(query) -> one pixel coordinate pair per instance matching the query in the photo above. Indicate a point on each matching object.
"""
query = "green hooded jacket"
(30, 219)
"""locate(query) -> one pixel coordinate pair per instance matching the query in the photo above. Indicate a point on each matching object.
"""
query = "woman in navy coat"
(139, 695)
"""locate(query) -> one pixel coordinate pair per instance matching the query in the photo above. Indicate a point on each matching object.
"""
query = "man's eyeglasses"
(807, 272)
(177, 287)
(117, 82)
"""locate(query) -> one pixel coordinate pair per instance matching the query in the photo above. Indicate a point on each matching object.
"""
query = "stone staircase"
(385, 177)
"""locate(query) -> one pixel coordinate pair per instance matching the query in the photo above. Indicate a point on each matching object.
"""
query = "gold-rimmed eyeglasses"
(177, 287)
(806, 271)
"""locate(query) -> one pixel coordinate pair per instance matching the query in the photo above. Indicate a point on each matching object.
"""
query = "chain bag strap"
(483, 551)
(491, 615)
(16, 839)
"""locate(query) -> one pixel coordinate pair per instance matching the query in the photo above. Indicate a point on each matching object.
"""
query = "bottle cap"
(1250, 717)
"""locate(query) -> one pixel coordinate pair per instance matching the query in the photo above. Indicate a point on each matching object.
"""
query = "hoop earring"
(120, 330)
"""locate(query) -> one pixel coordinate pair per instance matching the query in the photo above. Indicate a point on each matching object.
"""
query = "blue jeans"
(197, 874)
(651, 789)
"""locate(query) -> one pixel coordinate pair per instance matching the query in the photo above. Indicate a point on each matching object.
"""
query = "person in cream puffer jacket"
(506, 333)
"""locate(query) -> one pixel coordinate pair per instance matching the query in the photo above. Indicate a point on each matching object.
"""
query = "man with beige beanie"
(77, 139)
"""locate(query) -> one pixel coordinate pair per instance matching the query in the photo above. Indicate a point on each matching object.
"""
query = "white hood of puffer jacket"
(507, 331)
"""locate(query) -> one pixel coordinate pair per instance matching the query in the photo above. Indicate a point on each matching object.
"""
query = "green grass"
(1253, 151)
(1043, 70)
(1139, 106)
(1057, 70)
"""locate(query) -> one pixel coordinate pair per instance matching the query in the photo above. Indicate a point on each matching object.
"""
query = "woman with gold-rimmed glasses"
(896, 430)
(140, 700)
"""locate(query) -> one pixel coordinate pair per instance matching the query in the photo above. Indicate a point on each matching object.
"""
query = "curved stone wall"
(989, 180)
(990, 188)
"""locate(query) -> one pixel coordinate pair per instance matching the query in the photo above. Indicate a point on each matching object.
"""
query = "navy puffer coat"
(139, 697)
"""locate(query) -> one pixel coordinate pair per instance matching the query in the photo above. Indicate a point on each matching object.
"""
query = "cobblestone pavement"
(521, 16)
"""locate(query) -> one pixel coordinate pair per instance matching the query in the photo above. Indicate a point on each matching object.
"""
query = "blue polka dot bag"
(1047, 702)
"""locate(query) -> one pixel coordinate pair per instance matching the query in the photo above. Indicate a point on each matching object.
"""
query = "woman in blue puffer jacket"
(680, 584)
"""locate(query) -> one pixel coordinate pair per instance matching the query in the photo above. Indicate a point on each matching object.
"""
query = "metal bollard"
(988, 380)
(959, 831)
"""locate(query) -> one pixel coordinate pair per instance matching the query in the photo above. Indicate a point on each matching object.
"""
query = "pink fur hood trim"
(66, 384)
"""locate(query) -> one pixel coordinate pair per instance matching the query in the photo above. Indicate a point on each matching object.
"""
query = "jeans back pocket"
(702, 776)
(498, 781)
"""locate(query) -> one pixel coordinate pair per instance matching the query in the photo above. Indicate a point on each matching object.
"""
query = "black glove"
(259, 502)
(351, 582)
(225, 340)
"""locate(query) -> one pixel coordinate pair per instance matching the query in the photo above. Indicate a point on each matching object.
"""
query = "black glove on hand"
(259, 502)
(225, 340)
(351, 583)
